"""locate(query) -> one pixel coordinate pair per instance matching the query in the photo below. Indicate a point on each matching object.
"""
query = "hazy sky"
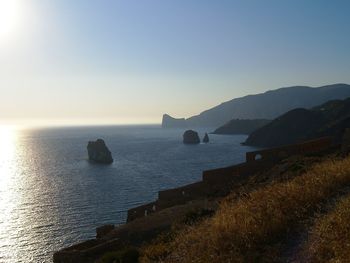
(100, 61)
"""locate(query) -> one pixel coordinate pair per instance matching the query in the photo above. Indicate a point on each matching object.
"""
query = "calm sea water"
(52, 197)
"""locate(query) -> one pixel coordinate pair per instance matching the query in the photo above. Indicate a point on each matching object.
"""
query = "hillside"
(269, 221)
(268, 105)
(241, 126)
(329, 119)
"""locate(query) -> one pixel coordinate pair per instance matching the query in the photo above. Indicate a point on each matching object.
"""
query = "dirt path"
(292, 251)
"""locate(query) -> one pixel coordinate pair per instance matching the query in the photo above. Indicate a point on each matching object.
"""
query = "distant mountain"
(238, 126)
(329, 119)
(268, 105)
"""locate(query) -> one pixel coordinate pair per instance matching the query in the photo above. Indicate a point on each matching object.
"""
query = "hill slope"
(329, 119)
(268, 105)
(241, 126)
(269, 219)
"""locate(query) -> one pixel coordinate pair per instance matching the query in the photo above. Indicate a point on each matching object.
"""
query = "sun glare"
(7, 145)
(9, 17)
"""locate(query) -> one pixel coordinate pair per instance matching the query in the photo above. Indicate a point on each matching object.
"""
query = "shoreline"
(144, 222)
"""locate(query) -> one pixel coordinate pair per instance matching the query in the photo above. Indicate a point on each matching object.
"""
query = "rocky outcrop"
(206, 138)
(99, 153)
(238, 126)
(191, 137)
(170, 122)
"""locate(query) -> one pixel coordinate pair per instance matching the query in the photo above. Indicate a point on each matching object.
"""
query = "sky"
(115, 62)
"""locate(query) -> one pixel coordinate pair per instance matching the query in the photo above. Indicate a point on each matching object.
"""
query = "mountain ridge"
(267, 105)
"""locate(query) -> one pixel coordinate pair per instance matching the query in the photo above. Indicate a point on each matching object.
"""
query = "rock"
(191, 137)
(206, 138)
(98, 152)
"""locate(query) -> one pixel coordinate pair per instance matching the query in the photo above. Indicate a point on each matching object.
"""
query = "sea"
(51, 196)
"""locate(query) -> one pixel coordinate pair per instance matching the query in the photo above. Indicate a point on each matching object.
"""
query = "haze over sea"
(52, 197)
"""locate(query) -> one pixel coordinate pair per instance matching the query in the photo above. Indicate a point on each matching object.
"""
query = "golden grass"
(330, 237)
(242, 229)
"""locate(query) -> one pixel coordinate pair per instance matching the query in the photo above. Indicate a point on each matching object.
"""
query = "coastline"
(146, 221)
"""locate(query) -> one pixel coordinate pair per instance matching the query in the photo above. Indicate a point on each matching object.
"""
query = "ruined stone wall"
(285, 151)
(142, 210)
(218, 182)
(85, 252)
(168, 198)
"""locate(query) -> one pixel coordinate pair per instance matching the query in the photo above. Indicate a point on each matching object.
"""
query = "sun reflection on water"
(8, 191)
(7, 155)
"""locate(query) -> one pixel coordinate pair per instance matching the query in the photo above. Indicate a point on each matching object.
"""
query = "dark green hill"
(238, 126)
(329, 119)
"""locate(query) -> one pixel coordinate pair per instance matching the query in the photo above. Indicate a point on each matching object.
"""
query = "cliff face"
(170, 122)
(268, 105)
(241, 126)
(99, 153)
(329, 119)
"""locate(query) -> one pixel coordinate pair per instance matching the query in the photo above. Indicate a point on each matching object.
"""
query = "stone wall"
(142, 210)
(218, 182)
(285, 151)
(85, 252)
(171, 197)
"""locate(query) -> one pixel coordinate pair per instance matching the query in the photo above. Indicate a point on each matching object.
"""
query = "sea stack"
(99, 153)
(206, 138)
(191, 137)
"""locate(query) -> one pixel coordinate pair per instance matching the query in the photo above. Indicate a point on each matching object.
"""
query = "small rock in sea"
(191, 137)
(206, 138)
(99, 153)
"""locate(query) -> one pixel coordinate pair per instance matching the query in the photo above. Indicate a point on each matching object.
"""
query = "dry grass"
(243, 230)
(330, 237)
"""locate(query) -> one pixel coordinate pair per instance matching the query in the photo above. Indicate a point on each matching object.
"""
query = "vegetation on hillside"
(239, 126)
(329, 239)
(328, 119)
(257, 226)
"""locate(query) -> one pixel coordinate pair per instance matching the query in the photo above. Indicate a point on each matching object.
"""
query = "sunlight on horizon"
(20, 124)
